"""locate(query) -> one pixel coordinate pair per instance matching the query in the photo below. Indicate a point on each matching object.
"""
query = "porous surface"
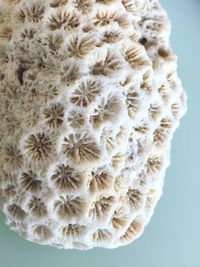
(89, 101)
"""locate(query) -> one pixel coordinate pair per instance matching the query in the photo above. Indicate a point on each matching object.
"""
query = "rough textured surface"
(89, 101)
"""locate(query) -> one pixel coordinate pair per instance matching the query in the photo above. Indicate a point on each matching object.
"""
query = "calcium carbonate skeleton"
(89, 101)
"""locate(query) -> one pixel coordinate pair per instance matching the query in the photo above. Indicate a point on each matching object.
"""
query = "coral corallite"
(89, 102)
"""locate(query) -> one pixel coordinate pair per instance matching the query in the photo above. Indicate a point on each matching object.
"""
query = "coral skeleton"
(89, 101)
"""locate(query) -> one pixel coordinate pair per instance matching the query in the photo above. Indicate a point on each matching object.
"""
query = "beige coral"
(89, 102)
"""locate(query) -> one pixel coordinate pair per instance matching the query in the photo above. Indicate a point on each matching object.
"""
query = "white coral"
(89, 102)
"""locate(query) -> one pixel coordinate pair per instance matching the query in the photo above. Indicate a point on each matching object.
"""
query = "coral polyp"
(38, 146)
(29, 181)
(81, 147)
(66, 179)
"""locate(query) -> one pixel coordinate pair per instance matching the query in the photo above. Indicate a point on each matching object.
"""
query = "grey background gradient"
(172, 239)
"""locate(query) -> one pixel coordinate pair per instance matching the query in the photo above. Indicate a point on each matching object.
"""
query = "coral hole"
(163, 52)
(143, 41)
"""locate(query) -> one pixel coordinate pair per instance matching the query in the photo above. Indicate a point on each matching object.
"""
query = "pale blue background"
(172, 239)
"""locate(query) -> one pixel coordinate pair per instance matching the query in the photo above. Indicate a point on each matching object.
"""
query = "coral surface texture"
(89, 102)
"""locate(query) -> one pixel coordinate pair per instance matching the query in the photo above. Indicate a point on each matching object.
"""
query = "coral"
(73, 230)
(10, 191)
(101, 181)
(106, 18)
(66, 179)
(42, 233)
(112, 36)
(37, 207)
(54, 115)
(107, 110)
(29, 182)
(76, 119)
(65, 20)
(107, 66)
(35, 12)
(58, 3)
(69, 207)
(118, 220)
(102, 235)
(12, 157)
(108, 139)
(80, 47)
(101, 208)
(132, 232)
(38, 146)
(89, 101)
(132, 101)
(134, 57)
(84, 6)
(16, 212)
(86, 93)
(81, 148)
(135, 199)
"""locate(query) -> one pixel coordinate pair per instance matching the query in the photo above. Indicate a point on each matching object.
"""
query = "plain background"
(172, 239)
